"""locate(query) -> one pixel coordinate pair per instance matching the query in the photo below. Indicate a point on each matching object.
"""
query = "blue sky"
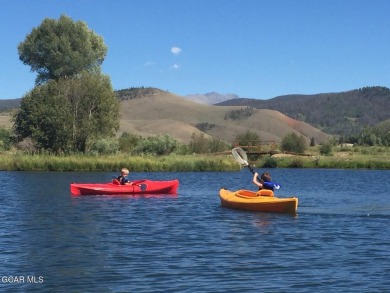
(252, 48)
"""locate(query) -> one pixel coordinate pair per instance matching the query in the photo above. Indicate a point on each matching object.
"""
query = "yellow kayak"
(262, 201)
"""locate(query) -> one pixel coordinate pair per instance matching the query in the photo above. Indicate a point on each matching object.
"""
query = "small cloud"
(148, 63)
(175, 50)
(175, 66)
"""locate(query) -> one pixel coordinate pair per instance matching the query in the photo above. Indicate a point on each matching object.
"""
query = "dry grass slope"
(166, 113)
(5, 121)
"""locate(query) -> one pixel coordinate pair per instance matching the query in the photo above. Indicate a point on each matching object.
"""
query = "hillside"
(160, 112)
(336, 113)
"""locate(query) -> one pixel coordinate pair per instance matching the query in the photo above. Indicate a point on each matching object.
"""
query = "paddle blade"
(240, 156)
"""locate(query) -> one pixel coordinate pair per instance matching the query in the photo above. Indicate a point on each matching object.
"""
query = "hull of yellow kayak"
(252, 201)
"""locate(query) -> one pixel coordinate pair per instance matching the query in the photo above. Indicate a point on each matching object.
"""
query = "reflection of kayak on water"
(262, 201)
(137, 187)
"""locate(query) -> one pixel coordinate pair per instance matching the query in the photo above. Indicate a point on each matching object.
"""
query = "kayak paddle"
(240, 156)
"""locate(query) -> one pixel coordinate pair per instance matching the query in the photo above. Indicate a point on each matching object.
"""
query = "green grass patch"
(341, 158)
(177, 163)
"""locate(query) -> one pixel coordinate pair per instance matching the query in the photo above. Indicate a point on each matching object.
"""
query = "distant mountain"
(211, 98)
(336, 113)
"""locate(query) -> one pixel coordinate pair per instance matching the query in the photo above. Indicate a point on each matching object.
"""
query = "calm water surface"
(51, 241)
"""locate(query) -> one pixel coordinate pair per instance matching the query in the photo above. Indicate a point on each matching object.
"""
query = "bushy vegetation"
(269, 162)
(249, 138)
(64, 115)
(201, 145)
(5, 139)
(204, 126)
(106, 146)
(326, 149)
(293, 143)
(242, 113)
(378, 135)
(158, 145)
(134, 93)
(341, 158)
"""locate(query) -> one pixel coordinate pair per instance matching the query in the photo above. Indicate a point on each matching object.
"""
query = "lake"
(51, 241)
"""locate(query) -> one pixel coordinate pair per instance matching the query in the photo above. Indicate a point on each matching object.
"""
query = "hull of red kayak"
(138, 187)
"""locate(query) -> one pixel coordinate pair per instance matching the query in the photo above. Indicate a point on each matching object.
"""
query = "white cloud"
(176, 66)
(148, 63)
(175, 50)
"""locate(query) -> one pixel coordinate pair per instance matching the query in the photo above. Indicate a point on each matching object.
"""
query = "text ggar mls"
(22, 279)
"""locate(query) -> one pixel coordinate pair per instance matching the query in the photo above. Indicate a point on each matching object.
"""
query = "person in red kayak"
(265, 177)
(123, 177)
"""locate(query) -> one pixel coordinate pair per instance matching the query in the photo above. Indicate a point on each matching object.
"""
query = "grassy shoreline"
(172, 163)
(378, 159)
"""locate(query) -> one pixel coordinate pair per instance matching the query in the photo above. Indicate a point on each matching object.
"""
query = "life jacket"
(122, 180)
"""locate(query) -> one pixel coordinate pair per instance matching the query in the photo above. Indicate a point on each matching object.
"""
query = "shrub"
(5, 139)
(326, 149)
(158, 145)
(293, 143)
(296, 163)
(247, 138)
(270, 162)
(128, 141)
(106, 146)
(199, 144)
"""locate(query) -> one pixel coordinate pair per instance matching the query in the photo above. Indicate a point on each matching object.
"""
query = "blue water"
(51, 241)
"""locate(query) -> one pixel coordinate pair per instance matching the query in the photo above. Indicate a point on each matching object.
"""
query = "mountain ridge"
(341, 113)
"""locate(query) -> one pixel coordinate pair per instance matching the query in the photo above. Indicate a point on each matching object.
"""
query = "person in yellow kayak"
(123, 177)
(265, 177)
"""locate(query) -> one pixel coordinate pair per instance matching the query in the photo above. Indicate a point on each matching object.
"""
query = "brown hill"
(160, 112)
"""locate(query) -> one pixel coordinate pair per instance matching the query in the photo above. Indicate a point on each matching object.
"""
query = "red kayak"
(137, 187)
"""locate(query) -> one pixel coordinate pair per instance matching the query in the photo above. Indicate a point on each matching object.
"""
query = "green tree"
(5, 139)
(247, 138)
(293, 143)
(42, 116)
(73, 104)
(62, 48)
(69, 114)
(312, 142)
